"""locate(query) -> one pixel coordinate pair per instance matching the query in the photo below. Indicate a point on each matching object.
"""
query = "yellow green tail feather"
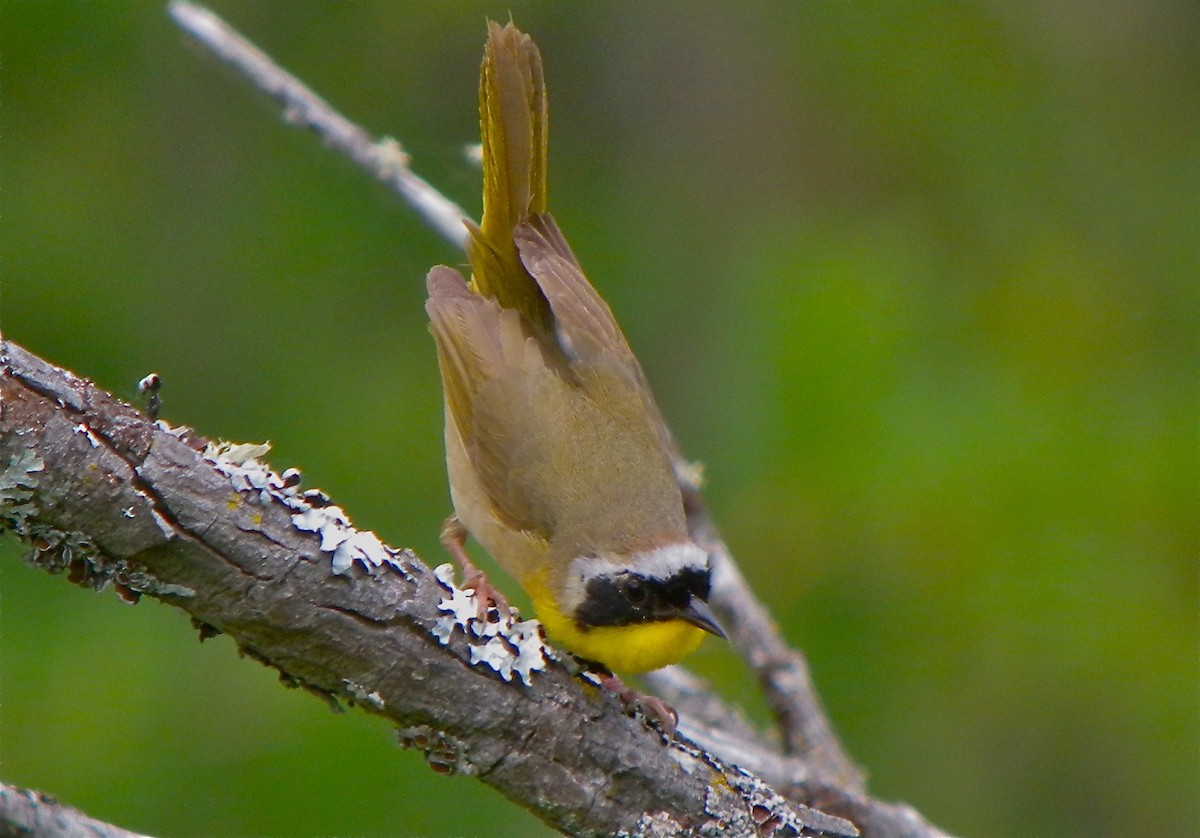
(513, 125)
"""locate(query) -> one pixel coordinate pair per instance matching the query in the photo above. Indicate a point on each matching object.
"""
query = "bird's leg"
(454, 539)
(655, 709)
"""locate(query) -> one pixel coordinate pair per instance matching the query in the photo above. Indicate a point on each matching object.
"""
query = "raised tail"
(513, 124)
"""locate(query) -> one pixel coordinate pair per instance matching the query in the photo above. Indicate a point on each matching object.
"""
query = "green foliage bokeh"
(917, 282)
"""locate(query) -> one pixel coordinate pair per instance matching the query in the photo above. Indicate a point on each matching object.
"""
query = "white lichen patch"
(362, 695)
(508, 646)
(236, 453)
(18, 478)
(87, 433)
(144, 583)
(531, 649)
(361, 546)
(687, 760)
(655, 825)
(180, 432)
(310, 510)
(592, 678)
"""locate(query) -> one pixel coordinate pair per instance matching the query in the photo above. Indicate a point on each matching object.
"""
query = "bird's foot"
(454, 539)
(657, 712)
(487, 595)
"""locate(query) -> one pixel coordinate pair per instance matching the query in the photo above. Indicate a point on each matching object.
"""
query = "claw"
(487, 595)
(657, 712)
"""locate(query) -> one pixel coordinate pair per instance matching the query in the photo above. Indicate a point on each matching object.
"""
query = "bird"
(560, 464)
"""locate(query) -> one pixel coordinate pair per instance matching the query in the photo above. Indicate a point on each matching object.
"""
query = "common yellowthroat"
(558, 458)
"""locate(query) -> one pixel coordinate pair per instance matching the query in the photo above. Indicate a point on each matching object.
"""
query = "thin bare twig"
(782, 672)
(383, 159)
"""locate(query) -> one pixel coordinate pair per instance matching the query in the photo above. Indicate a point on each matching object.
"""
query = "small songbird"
(560, 465)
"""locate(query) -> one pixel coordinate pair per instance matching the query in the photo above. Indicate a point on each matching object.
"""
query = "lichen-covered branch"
(104, 494)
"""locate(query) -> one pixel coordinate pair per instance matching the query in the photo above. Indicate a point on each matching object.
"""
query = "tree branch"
(107, 496)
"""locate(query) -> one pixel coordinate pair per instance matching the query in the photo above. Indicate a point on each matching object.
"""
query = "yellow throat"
(626, 650)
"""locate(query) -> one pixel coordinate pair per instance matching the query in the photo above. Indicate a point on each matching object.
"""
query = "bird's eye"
(636, 591)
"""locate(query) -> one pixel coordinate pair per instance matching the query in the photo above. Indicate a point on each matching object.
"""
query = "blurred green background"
(917, 282)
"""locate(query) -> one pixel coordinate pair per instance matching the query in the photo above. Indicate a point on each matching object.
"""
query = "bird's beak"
(701, 616)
